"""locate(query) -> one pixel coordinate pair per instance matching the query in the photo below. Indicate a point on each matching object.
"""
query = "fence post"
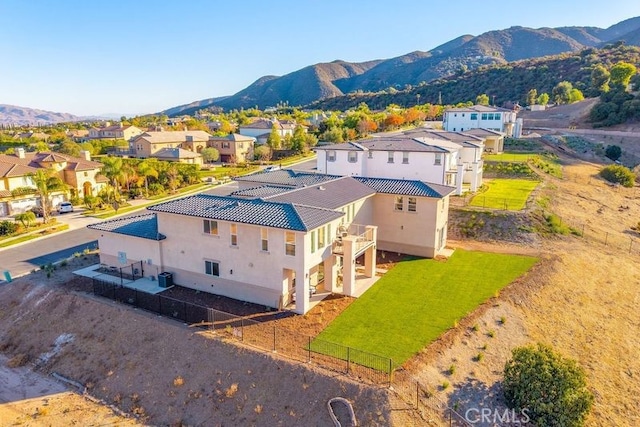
(390, 371)
(309, 350)
(242, 328)
(417, 395)
(348, 358)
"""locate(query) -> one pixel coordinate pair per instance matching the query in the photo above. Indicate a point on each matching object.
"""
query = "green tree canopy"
(562, 92)
(46, 181)
(600, 79)
(551, 389)
(275, 140)
(210, 154)
(575, 95)
(621, 73)
(543, 99)
(532, 97)
(482, 99)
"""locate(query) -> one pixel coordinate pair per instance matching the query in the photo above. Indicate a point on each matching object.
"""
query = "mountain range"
(467, 52)
(14, 115)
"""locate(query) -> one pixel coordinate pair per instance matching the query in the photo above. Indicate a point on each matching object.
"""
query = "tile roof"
(462, 138)
(406, 188)
(287, 177)
(8, 170)
(329, 195)
(144, 226)
(173, 136)
(35, 160)
(477, 109)
(286, 216)
(484, 132)
(396, 143)
(233, 137)
(175, 153)
(261, 191)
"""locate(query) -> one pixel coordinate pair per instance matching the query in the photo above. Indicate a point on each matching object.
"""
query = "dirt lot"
(582, 299)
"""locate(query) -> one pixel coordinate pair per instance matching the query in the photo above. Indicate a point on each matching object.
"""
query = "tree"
(112, 169)
(575, 95)
(393, 121)
(600, 79)
(482, 99)
(146, 169)
(366, 126)
(46, 181)
(274, 140)
(210, 154)
(262, 153)
(543, 99)
(532, 97)
(551, 389)
(26, 218)
(71, 148)
(562, 92)
(613, 152)
(621, 74)
(298, 143)
(618, 174)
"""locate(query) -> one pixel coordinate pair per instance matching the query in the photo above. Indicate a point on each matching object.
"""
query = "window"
(353, 156)
(234, 234)
(313, 241)
(399, 204)
(210, 227)
(370, 154)
(321, 237)
(212, 268)
(390, 157)
(484, 116)
(474, 116)
(496, 116)
(264, 238)
(86, 174)
(490, 116)
(462, 114)
(290, 243)
(438, 160)
(240, 144)
(405, 157)
(412, 204)
(331, 155)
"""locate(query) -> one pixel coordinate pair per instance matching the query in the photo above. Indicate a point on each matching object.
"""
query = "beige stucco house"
(233, 148)
(117, 131)
(82, 176)
(283, 239)
(149, 143)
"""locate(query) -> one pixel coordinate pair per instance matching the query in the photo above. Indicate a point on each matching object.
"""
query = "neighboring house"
(485, 117)
(284, 239)
(81, 175)
(78, 135)
(442, 158)
(233, 148)
(31, 134)
(118, 131)
(261, 129)
(178, 155)
(149, 143)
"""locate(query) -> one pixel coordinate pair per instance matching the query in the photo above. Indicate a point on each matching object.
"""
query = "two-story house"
(117, 131)
(424, 157)
(261, 129)
(279, 241)
(484, 117)
(233, 148)
(81, 175)
(149, 143)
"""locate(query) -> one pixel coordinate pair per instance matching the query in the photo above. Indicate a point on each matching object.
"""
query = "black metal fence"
(263, 335)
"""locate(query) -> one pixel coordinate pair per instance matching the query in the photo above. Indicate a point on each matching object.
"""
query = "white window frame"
(390, 155)
(412, 204)
(405, 157)
(438, 159)
(207, 227)
(212, 266)
(233, 232)
(331, 155)
(264, 240)
(398, 203)
(352, 157)
(290, 243)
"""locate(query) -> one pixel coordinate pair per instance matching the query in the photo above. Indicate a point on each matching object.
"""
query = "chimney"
(20, 152)
(84, 154)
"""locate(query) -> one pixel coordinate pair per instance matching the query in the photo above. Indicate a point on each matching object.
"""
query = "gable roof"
(259, 212)
(406, 188)
(161, 137)
(35, 160)
(8, 170)
(175, 153)
(484, 132)
(478, 109)
(462, 138)
(396, 143)
(144, 226)
(261, 191)
(234, 137)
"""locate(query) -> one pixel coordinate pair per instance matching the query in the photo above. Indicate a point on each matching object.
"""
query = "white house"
(484, 117)
(442, 158)
(283, 244)
(261, 129)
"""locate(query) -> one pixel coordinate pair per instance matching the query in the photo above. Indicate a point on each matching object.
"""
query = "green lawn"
(510, 157)
(509, 194)
(416, 301)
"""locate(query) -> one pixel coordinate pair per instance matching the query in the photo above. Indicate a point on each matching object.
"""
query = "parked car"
(39, 211)
(65, 207)
(271, 168)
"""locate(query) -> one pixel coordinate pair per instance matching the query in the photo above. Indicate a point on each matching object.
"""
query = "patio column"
(331, 274)
(371, 234)
(459, 179)
(302, 291)
(348, 267)
(474, 176)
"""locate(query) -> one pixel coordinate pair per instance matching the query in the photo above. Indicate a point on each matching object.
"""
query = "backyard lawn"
(508, 194)
(418, 300)
(511, 157)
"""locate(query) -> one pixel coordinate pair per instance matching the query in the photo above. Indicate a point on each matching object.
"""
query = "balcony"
(358, 235)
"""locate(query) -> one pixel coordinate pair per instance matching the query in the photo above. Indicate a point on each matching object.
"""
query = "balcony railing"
(362, 235)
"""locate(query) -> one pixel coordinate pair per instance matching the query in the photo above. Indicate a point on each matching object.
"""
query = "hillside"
(326, 80)
(508, 82)
(14, 115)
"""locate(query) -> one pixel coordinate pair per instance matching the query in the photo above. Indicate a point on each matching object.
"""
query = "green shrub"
(479, 357)
(555, 225)
(8, 227)
(550, 388)
(618, 174)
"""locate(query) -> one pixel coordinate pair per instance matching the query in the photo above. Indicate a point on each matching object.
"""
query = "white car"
(271, 168)
(65, 207)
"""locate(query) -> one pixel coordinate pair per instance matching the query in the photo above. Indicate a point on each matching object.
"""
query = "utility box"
(165, 279)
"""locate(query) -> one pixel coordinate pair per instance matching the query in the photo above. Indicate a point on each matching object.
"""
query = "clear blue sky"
(139, 56)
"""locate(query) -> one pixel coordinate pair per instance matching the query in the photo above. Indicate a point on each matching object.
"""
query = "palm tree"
(113, 171)
(146, 169)
(46, 181)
